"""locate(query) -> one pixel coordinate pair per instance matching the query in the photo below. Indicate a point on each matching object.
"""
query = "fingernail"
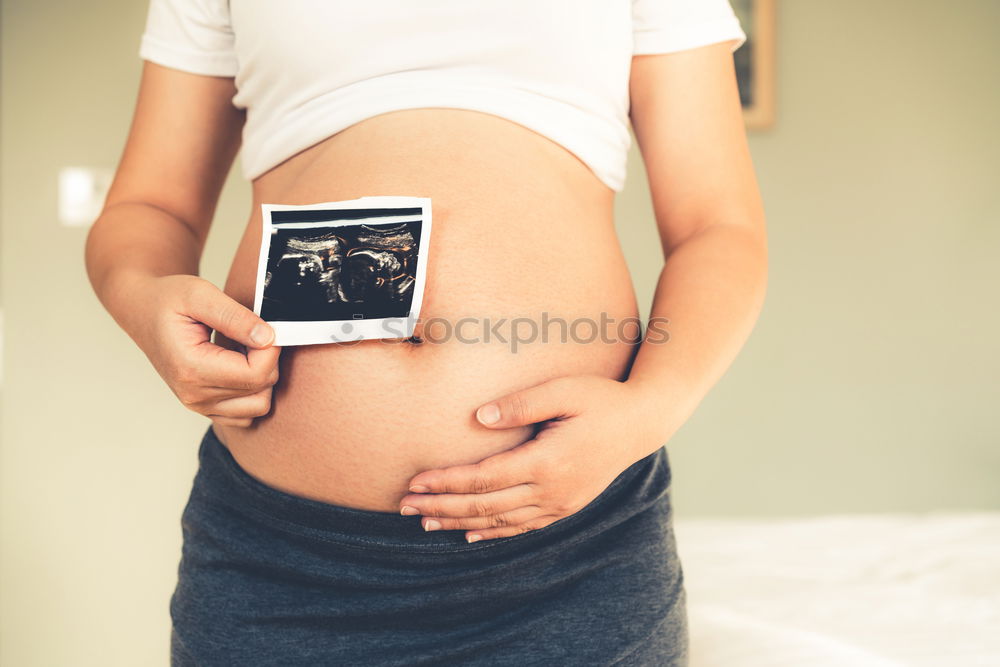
(474, 538)
(432, 525)
(488, 414)
(409, 510)
(419, 488)
(261, 334)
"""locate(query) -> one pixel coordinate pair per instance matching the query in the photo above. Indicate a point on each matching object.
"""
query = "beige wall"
(870, 383)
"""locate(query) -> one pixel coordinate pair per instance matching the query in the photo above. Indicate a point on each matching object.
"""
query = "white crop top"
(306, 69)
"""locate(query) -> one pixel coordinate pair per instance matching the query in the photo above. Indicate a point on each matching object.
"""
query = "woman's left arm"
(688, 122)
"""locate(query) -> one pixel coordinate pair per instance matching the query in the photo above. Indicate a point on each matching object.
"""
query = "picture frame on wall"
(755, 62)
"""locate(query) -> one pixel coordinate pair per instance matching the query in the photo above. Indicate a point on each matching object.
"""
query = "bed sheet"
(857, 590)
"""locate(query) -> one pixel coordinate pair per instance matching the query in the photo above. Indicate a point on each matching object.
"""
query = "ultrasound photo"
(343, 271)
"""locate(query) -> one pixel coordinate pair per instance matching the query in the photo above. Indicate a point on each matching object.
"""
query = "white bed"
(855, 590)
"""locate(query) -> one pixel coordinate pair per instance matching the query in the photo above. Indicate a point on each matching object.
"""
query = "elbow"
(739, 229)
(91, 252)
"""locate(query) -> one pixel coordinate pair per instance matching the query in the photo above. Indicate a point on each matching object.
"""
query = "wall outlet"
(82, 191)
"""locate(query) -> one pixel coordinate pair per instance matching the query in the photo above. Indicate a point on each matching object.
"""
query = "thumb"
(213, 307)
(528, 406)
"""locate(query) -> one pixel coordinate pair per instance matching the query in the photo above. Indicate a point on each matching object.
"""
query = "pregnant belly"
(525, 282)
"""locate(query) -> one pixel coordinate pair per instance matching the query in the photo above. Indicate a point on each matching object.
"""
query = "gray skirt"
(270, 578)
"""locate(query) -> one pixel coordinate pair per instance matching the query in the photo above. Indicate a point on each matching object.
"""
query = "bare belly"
(522, 229)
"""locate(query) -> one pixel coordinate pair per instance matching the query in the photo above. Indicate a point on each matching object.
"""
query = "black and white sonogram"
(343, 271)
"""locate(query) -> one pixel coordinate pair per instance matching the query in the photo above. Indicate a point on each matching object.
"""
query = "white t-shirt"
(306, 69)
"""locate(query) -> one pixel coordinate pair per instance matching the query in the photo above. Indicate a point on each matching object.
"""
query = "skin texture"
(521, 228)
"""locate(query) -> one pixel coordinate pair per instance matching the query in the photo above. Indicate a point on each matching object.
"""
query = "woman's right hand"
(226, 385)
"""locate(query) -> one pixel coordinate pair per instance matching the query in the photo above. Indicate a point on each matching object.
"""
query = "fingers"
(472, 504)
(512, 520)
(231, 386)
(509, 531)
(232, 421)
(502, 470)
(528, 406)
(496, 514)
(247, 390)
(215, 308)
(243, 407)
(218, 367)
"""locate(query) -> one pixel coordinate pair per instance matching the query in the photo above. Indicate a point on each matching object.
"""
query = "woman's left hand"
(597, 430)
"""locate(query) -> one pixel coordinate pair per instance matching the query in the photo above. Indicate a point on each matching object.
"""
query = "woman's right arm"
(144, 250)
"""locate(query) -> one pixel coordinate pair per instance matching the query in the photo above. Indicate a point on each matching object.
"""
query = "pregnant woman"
(449, 498)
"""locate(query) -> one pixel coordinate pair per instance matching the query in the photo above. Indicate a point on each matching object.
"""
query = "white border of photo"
(316, 332)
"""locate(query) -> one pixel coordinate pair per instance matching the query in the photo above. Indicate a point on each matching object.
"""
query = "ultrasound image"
(347, 272)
